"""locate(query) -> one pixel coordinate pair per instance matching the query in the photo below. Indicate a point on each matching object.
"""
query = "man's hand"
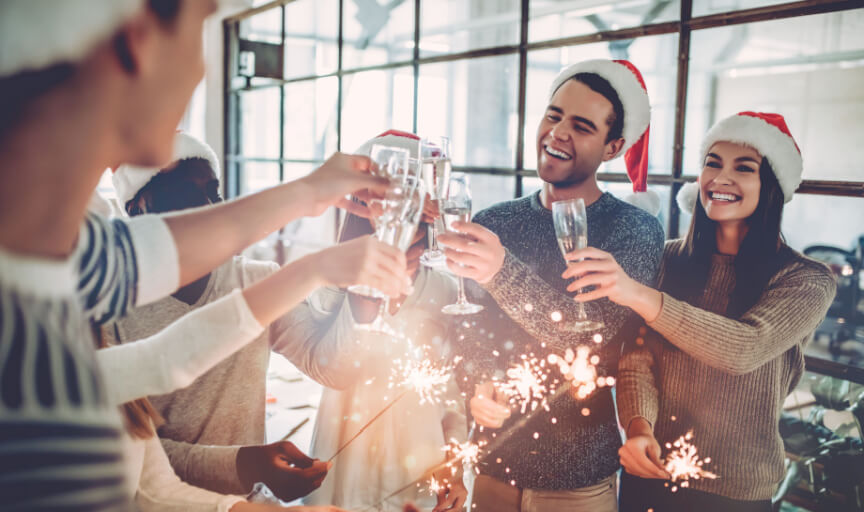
(452, 497)
(640, 455)
(475, 252)
(364, 261)
(282, 467)
(488, 407)
(340, 175)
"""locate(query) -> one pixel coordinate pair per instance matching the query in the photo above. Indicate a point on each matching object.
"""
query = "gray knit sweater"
(724, 378)
(576, 451)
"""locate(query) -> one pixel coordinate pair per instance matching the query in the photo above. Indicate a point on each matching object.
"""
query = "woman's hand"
(339, 176)
(451, 497)
(475, 252)
(599, 269)
(364, 261)
(488, 407)
(640, 455)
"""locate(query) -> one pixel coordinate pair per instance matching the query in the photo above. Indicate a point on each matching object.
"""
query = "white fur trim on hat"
(129, 179)
(634, 99)
(687, 196)
(648, 201)
(778, 147)
(36, 34)
(392, 139)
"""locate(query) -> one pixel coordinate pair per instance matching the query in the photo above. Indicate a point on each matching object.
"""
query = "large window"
(308, 77)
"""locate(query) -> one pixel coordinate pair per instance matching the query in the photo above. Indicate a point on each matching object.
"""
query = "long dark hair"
(761, 255)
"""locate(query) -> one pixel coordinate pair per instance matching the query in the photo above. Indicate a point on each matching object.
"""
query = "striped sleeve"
(124, 263)
(60, 446)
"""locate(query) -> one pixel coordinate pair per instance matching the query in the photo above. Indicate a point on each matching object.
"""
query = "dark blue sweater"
(577, 450)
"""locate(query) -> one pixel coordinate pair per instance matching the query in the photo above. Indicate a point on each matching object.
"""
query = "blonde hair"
(140, 418)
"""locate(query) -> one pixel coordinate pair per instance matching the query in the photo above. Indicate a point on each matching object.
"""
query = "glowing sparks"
(580, 369)
(462, 454)
(683, 463)
(556, 316)
(526, 383)
(435, 486)
(423, 377)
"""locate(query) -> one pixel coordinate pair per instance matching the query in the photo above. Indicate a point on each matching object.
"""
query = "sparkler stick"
(368, 423)
(499, 440)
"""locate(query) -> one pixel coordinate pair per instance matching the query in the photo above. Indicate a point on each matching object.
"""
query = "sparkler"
(684, 463)
(526, 383)
(423, 377)
(580, 369)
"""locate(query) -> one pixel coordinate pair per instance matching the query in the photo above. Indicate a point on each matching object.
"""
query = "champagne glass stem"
(461, 298)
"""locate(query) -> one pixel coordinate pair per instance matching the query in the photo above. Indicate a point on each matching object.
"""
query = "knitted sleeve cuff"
(672, 315)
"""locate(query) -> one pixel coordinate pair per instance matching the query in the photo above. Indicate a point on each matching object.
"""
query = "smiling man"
(563, 459)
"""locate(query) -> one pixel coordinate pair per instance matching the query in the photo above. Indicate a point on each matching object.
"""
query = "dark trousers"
(640, 495)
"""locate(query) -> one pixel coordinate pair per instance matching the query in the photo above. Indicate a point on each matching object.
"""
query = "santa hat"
(129, 179)
(393, 138)
(35, 35)
(627, 81)
(765, 132)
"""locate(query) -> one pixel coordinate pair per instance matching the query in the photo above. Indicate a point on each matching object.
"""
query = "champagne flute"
(402, 208)
(571, 229)
(457, 207)
(435, 154)
(392, 163)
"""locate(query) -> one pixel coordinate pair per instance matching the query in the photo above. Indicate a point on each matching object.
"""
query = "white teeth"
(557, 154)
(719, 196)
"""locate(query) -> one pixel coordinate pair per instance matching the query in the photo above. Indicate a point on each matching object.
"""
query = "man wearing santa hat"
(564, 458)
(83, 86)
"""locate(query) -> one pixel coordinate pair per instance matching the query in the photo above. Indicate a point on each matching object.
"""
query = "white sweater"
(157, 365)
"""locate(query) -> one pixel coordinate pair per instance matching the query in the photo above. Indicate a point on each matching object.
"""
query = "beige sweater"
(724, 378)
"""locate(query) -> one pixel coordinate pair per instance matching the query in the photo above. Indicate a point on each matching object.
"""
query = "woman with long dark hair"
(726, 329)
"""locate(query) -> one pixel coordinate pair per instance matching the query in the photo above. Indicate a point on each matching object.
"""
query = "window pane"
(705, 7)
(255, 176)
(489, 189)
(259, 123)
(264, 27)
(311, 37)
(654, 56)
(310, 118)
(474, 103)
(553, 19)
(451, 26)
(375, 33)
(374, 102)
(810, 69)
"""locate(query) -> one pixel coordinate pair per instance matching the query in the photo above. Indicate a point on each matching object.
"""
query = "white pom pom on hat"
(37, 34)
(627, 81)
(129, 179)
(765, 132)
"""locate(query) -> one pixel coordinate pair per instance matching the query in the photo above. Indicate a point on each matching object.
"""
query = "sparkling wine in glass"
(457, 207)
(571, 229)
(402, 208)
(392, 163)
(436, 169)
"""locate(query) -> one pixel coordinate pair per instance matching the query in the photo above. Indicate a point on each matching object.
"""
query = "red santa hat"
(627, 81)
(765, 132)
(393, 138)
(129, 179)
(38, 34)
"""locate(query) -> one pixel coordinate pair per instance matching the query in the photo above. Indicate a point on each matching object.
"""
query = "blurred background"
(290, 82)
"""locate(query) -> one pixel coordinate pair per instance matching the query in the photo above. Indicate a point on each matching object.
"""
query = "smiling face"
(729, 183)
(571, 138)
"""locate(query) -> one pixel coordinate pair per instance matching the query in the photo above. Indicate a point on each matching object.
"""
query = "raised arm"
(789, 310)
